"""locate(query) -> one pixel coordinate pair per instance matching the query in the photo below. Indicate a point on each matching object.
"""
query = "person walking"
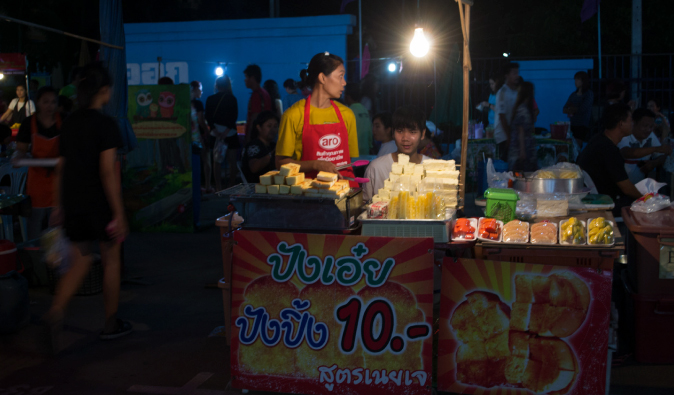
(88, 201)
(199, 126)
(505, 104)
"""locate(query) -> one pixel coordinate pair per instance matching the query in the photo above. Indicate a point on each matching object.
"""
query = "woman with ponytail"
(318, 132)
(89, 200)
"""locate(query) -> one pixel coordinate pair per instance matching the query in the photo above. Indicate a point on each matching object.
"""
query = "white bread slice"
(409, 168)
(397, 169)
(272, 189)
(268, 178)
(384, 193)
(296, 179)
(419, 170)
(403, 159)
(296, 189)
(289, 169)
(259, 188)
(284, 189)
(327, 177)
(322, 184)
(388, 185)
(279, 180)
(311, 191)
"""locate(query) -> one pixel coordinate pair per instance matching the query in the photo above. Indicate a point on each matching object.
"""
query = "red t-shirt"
(259, 101)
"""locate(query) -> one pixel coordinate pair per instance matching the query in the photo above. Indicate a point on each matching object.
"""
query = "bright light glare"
(2, 76)
(505, 54)
(419, 45)
(391, 67)
(219, 71)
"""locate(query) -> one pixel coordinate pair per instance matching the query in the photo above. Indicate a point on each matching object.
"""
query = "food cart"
(308, 280)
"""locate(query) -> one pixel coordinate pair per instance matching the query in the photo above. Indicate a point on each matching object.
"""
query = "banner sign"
(12, 63)
(157, 177)
(330, 314)
(523, 328)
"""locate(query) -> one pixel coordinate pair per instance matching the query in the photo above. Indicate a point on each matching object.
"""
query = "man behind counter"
(409, 126)
(601, 158)
(642, 149)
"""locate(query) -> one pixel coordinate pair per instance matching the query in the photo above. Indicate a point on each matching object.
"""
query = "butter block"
(279, 180)
(388, 185)
(296, 189)
(384, 193)
(397, 169)
(284, 189)
(409, 168)
(325, 176)
(268, 178)
(403, 159)
(273, 189)
(322, 184)
(294, 180)
(289, 169)
(259, 188)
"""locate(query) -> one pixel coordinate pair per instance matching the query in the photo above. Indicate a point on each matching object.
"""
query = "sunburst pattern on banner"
(462, 277)
(413, 270)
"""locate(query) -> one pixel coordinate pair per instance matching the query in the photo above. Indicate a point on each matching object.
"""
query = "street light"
(392, 67)
(2, 76)
(219, 71)
(419, 45)
(506, 54)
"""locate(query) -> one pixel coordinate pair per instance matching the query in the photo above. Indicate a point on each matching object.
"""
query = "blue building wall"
(193, 50)
(553, 81)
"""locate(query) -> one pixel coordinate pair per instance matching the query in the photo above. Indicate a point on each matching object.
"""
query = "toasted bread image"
(552, 306)
(558, 365)
(256, 358)
(482, 322)
(407, 312)
(324, 300)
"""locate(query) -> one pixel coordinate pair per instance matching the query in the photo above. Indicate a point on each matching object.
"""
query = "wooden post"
(465, 21)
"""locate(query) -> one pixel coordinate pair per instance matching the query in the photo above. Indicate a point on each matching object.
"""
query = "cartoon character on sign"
(143, 101)
(167, 101)
(330, 142)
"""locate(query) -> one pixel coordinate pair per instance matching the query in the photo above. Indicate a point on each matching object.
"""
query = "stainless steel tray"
(295, 212)
(548, 186)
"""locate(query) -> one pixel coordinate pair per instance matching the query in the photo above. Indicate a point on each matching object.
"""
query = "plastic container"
(14, 302)
(534, 238)
(7, 257)
(587, 234)
(508, 240)
(501, 203)
(500, 231)
(561, 239)
(647, 236)
(473, 223)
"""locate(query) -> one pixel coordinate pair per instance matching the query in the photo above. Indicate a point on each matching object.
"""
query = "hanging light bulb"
(419, 45)
(2, 76)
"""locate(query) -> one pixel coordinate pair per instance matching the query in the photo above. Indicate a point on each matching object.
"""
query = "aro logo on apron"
(330, 142)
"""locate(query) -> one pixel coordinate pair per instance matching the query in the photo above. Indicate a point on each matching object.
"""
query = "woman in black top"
(88, 198)
(198, 106)
(258, 156)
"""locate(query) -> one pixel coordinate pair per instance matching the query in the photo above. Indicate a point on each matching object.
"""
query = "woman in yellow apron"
(39, 136)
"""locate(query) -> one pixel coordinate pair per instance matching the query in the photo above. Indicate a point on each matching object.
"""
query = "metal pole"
(49, 29)
(635, 66)
(599, 34)
(435, 99)
(466, 71)
(360, 40)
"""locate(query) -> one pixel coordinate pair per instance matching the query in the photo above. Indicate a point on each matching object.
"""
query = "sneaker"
(123, 328)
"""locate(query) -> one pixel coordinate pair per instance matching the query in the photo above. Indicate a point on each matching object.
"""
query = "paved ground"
(171, 298)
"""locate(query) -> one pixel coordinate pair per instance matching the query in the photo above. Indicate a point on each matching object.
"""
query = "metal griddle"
(298, 213)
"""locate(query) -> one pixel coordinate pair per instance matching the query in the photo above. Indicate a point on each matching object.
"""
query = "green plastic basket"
(501, 204)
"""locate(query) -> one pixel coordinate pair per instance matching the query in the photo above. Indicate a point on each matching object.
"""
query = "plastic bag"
(219, 150)
(57, 249)
(650, 203)
(497, 180)
(564, 170)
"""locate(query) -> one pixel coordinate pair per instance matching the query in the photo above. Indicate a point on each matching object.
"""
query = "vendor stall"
(324, 294)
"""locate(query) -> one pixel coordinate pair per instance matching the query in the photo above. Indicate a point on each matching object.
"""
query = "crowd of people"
(626, 145)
